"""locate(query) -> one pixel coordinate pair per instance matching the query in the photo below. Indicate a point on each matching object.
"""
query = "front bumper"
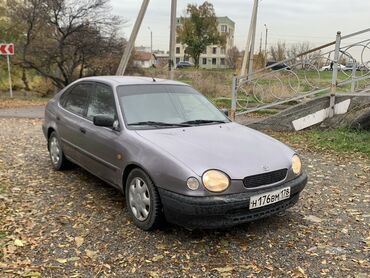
(225, 210)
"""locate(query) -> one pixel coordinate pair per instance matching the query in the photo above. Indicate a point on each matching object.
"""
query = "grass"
(339, 140)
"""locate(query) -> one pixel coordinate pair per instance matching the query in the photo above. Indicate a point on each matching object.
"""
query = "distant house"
(143, 59)
(161, 59)
(214, 56)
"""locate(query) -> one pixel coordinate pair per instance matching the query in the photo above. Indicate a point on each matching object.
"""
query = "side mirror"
(104, 120)
(225, 111)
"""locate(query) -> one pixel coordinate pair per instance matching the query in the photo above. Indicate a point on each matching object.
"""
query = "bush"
(42, 86)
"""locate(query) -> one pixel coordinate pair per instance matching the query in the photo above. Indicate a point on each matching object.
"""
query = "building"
(214, 56)
(142, 59)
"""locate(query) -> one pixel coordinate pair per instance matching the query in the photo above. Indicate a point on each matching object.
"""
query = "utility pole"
(251, 53)
(260, 43)
(172, 59)
(249, 48)
(266, 45)
(151, 45)
(130, 44)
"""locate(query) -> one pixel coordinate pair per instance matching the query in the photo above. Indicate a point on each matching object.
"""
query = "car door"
(71, 117)
(101, 143)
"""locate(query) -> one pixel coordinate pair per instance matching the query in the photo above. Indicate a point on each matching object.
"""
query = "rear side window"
(102, 102)
(76, 99)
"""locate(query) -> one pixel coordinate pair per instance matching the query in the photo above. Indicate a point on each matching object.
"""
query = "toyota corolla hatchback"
(172, 153)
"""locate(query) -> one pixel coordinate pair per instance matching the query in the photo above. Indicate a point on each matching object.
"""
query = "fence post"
(353, 84)
(233, 97)
(335, 75)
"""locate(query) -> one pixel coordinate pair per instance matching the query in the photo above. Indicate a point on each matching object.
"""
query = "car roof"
(131, 80)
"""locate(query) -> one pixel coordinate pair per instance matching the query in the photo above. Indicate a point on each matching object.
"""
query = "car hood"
(232, 148)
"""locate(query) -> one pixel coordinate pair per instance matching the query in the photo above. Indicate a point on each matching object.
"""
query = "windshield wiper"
(153, 123)
(203, 122)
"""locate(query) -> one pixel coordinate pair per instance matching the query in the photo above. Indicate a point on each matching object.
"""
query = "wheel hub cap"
(54, 150)
(139, 199)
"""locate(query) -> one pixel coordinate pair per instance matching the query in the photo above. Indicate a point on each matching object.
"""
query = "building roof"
(225, 20)
(142, 56)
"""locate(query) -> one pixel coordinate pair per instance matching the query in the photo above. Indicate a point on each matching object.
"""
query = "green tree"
(198, 30)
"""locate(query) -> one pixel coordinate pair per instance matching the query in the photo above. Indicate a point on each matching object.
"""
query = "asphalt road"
(70, 224)
(35, 112)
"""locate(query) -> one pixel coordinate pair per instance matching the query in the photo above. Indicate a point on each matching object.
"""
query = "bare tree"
(296, 50)
(64, 38)
(232, 57)
(278, 51)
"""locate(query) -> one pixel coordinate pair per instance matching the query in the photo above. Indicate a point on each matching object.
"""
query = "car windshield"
(166, 106)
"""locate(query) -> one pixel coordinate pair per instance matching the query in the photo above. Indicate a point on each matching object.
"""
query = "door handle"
(82, 130)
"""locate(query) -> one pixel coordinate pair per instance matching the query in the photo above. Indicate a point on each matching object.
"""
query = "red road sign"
(6, 48)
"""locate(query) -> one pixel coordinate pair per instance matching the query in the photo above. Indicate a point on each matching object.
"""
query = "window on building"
(222, 61)
(223, 50)
(186, 58)
(224, 28)
(178, 50)
(204, 62)
(177, 60)
(214, 61)
(205, 51)
(214, 50)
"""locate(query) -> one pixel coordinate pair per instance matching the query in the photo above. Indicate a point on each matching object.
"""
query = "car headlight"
(296, 164)
(215, 181)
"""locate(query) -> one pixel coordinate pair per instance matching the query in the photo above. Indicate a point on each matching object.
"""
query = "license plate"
(269, 198)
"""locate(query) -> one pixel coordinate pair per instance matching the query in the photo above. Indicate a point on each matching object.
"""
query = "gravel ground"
(70, 224)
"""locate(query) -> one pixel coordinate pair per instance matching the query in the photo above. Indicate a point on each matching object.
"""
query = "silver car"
(174, 155)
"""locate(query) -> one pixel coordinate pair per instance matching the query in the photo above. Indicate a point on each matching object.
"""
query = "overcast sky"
(316, 21)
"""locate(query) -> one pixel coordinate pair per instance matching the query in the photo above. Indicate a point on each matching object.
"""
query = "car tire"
(57, 157)
(142, 200)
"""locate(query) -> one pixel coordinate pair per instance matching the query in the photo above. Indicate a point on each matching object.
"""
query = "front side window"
(77, 98)
(166, 104)
(102, 102)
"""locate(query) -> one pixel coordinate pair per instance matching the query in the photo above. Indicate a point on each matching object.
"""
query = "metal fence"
(313, 73)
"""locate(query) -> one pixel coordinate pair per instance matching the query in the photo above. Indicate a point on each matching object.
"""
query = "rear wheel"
(142, 200)
(58, 160)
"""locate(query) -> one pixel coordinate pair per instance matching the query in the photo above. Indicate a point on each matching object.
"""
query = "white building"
(142, 59)
(214, 56)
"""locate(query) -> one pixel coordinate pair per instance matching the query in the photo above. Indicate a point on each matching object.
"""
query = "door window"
(102, 103)
(76, 99)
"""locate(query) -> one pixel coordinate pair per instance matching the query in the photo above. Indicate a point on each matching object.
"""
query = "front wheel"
(58, 160)
(142, 200)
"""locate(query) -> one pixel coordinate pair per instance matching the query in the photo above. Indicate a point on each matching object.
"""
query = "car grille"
(265, 178)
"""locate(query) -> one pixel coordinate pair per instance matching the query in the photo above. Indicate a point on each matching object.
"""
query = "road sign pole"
(9, 76)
